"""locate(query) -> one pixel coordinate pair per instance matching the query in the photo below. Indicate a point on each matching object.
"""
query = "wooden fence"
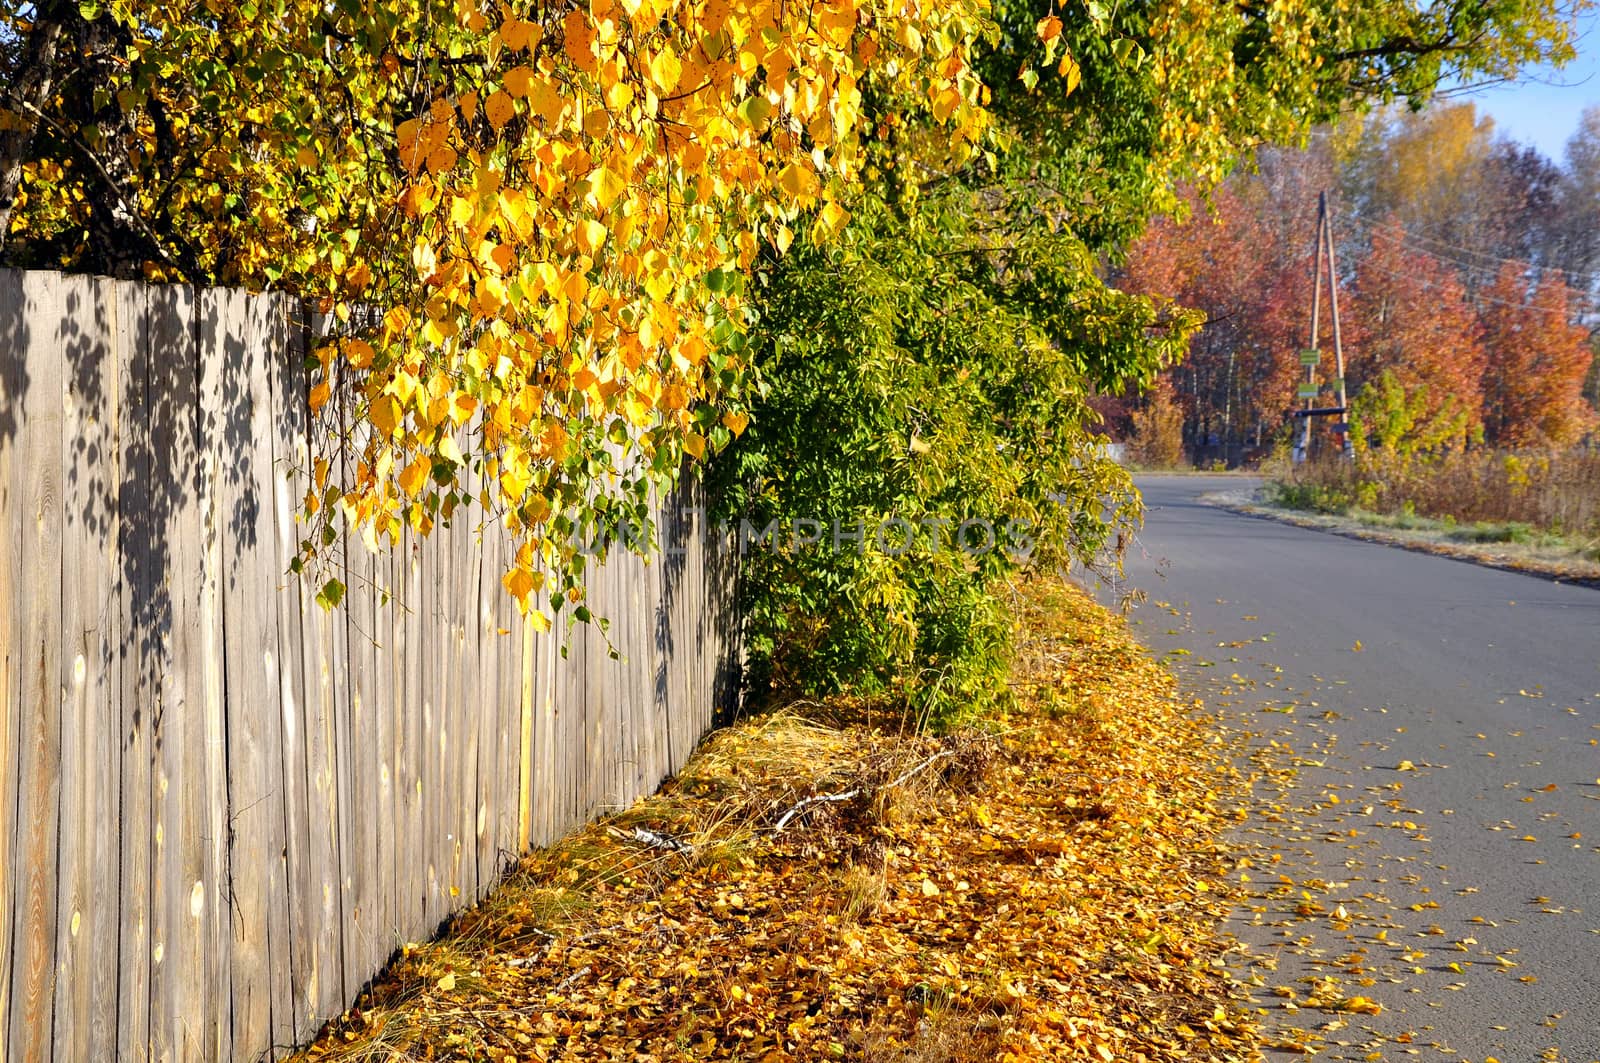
(221, 808)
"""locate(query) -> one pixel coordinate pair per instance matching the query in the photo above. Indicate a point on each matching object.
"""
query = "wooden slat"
(325, 982)
(508, 651)
(262, 964)
(447, 706)
(414, 871)
(207, 982)
(36, 406)
(465, 704)
(430, 653)
(139, 673)
(385, 633)
(13, 379)
(597, 706)
(288, 431)
(86, 924)
(34, 426)
(168, 566)
(466, 697)
(639, 668)
(359, 846)
(341, 658)
(484, 661)
(529, 711)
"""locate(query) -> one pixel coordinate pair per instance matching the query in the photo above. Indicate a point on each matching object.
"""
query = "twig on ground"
(783, 821)
(654, 840)
(566, 982)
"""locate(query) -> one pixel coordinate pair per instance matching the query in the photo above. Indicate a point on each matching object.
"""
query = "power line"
(1566, 315)
(1371, 225)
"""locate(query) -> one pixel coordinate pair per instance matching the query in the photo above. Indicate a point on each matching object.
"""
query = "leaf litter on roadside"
(1044, 885)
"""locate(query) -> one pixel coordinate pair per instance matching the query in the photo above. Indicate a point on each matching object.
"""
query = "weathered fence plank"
(326, 985)
(138, 676)
(289, 483)
(13, 381)
(38, 473)
(207, 980)
(221, 806)
(86, 931)
(261, 968)
(413, 871)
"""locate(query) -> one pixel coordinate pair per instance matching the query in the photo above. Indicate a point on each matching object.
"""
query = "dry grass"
(1485, 495)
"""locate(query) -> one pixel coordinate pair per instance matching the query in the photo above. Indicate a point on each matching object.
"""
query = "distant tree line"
(1469, 270)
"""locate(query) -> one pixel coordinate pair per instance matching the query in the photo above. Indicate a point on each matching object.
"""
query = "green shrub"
(1311, 497)
(898, 385)
(1496, 532)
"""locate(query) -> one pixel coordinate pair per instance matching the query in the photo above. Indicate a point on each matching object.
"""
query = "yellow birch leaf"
(604, 188)
(385, 414)
(589, 235)
(832, 218)
(665, 70)
(414, 477)
(499, 109)
(1070, 70)
(518, 81)
(441, 160)
(545, 99)
(518, 583)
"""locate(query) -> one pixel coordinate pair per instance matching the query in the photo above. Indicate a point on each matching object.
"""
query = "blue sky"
(1543, 108)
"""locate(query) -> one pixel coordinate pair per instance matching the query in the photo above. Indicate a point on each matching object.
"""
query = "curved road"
(1437, 850)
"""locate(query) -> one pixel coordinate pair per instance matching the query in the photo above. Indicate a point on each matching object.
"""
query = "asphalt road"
(1437, 849)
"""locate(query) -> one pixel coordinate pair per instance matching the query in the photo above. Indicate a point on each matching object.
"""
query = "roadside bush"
(917, 442)
(1410, 463)
(1311, 496)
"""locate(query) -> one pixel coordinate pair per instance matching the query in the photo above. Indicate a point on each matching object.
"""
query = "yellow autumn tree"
(528, 224)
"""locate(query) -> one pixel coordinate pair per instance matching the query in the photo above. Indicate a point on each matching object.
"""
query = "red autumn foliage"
(1536, 363)
(1420, 324)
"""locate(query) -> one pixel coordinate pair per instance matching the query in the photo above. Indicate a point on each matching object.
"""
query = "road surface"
(1438, 847)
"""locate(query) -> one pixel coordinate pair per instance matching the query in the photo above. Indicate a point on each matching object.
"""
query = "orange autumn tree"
(1420, 328)
(1537, 361)
(1242, 258)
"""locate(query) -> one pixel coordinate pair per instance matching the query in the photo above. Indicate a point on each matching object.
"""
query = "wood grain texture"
(86, 924)
(289, 482)
(139, 677)
(13, 382)
(38, 474)
(207, 981)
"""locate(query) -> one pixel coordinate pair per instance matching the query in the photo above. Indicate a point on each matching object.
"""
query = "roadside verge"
(1511, 557)
(818, 884)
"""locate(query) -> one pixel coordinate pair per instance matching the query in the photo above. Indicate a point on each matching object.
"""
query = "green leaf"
(331, 594)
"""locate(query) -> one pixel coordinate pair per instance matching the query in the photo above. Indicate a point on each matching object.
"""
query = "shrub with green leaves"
(934, 441)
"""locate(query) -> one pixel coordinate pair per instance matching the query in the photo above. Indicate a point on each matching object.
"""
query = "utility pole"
(1311, 356)
(1341, 427)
